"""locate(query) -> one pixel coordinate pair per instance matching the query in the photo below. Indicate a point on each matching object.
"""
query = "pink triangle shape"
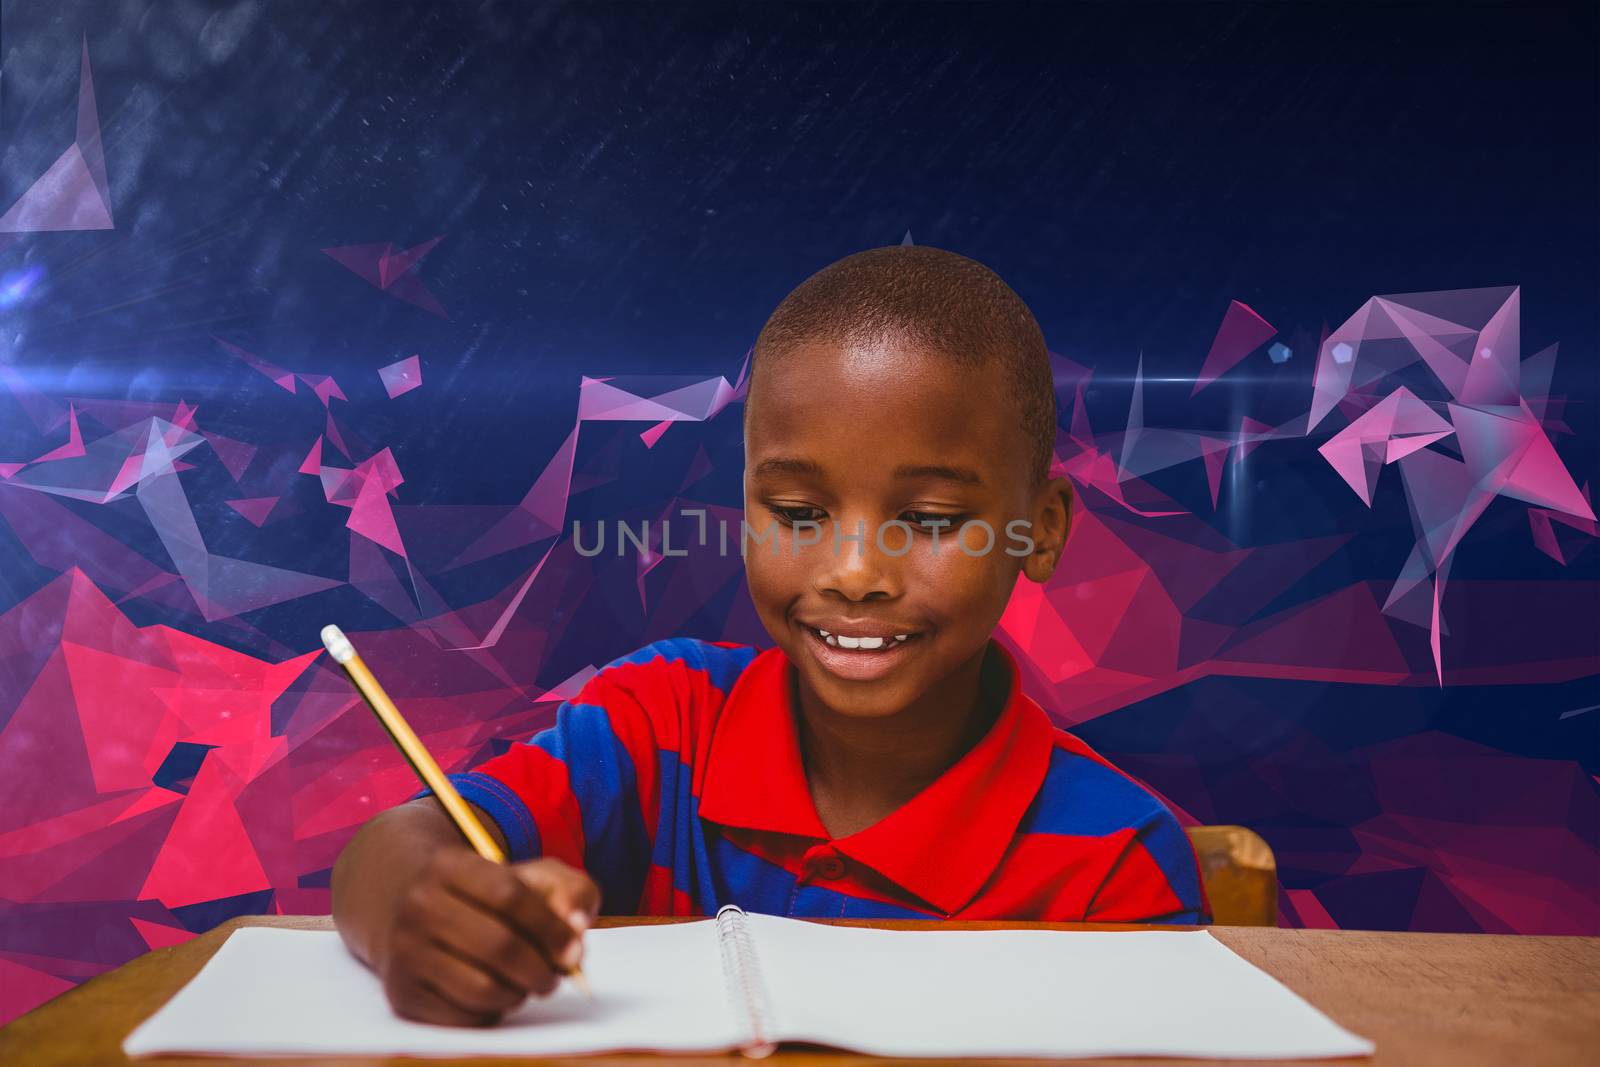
(1241, 333)
(653, 434)
(255, 508)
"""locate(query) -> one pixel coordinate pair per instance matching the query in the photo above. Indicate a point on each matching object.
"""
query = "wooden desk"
(1424, 998)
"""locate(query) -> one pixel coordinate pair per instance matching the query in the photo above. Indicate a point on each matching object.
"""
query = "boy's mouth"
(859, 656)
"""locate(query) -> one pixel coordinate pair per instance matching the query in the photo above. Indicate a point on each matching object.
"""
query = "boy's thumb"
(571, 893)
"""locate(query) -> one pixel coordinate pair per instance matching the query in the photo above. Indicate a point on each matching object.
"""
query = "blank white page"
(300, 992)
(1032, 993)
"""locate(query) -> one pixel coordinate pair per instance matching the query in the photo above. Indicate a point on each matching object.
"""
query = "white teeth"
(843, 641)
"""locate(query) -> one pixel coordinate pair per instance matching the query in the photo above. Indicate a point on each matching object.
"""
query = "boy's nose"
(850, 563)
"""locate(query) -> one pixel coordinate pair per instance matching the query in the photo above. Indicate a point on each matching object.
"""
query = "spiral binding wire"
(741, 971)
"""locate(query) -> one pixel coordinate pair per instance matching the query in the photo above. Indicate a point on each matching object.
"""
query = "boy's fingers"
(465, 984)
(487, 940)
(409, 983)
(499, 889)
(571, 893)
(427, 1005)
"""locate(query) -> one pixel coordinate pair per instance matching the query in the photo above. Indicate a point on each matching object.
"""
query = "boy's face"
(853, 437)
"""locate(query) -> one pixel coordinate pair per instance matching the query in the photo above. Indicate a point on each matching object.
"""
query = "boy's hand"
(472, 939)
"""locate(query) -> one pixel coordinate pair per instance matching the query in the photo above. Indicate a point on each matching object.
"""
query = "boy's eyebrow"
(797, 465)
(786, 465)
(964, 475)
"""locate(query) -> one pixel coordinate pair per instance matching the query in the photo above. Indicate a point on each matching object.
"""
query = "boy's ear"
(1052, 519)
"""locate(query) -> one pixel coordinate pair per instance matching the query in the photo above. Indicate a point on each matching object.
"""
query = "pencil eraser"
(338, 645)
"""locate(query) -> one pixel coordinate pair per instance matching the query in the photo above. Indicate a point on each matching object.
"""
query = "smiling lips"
(860, 652)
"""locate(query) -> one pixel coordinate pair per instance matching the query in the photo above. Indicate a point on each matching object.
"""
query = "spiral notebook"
(748, 982)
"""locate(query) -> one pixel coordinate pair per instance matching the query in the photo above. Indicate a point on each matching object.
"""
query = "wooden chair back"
(1239, 873)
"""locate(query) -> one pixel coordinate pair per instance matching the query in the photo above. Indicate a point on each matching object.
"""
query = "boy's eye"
(795, 513)
(931, 520)
(926, 520)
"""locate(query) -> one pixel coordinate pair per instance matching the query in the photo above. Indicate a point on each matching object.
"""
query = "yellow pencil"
(339, 646)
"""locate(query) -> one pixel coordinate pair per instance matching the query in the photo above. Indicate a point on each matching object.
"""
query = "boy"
(881, 760)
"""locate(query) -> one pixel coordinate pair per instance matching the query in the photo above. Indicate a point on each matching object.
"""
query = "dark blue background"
(632, 187)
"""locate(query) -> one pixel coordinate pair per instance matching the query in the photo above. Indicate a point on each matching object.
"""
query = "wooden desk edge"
(120, 999)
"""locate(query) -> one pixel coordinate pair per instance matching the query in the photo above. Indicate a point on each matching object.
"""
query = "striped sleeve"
(584, 789)
(1155, 878)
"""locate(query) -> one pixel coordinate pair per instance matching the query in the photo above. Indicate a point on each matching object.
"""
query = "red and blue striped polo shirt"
(674, 777)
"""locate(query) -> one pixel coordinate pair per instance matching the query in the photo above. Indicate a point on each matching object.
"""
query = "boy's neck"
(861, 770)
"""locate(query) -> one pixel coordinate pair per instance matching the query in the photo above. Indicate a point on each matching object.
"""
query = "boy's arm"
(585, 789)
(581, 793)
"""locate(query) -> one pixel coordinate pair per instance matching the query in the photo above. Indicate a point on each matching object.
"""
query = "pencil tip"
(581, 980)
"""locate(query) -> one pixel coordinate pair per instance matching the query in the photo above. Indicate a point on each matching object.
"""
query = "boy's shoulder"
(669, 694)
(721, 662)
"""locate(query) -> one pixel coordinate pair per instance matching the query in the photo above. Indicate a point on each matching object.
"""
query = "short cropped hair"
(934, 300)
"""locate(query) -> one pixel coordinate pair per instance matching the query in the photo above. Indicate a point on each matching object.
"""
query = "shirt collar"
(940, 846)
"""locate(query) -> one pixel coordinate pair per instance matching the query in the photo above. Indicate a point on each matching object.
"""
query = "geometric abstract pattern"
(1500, 418)
(163, 776)
(401, 376)
(1335, 580)
(1433, 384)
(73, 194)
(391, 270)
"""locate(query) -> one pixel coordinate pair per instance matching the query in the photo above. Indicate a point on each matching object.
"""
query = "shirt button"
(830, 867)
